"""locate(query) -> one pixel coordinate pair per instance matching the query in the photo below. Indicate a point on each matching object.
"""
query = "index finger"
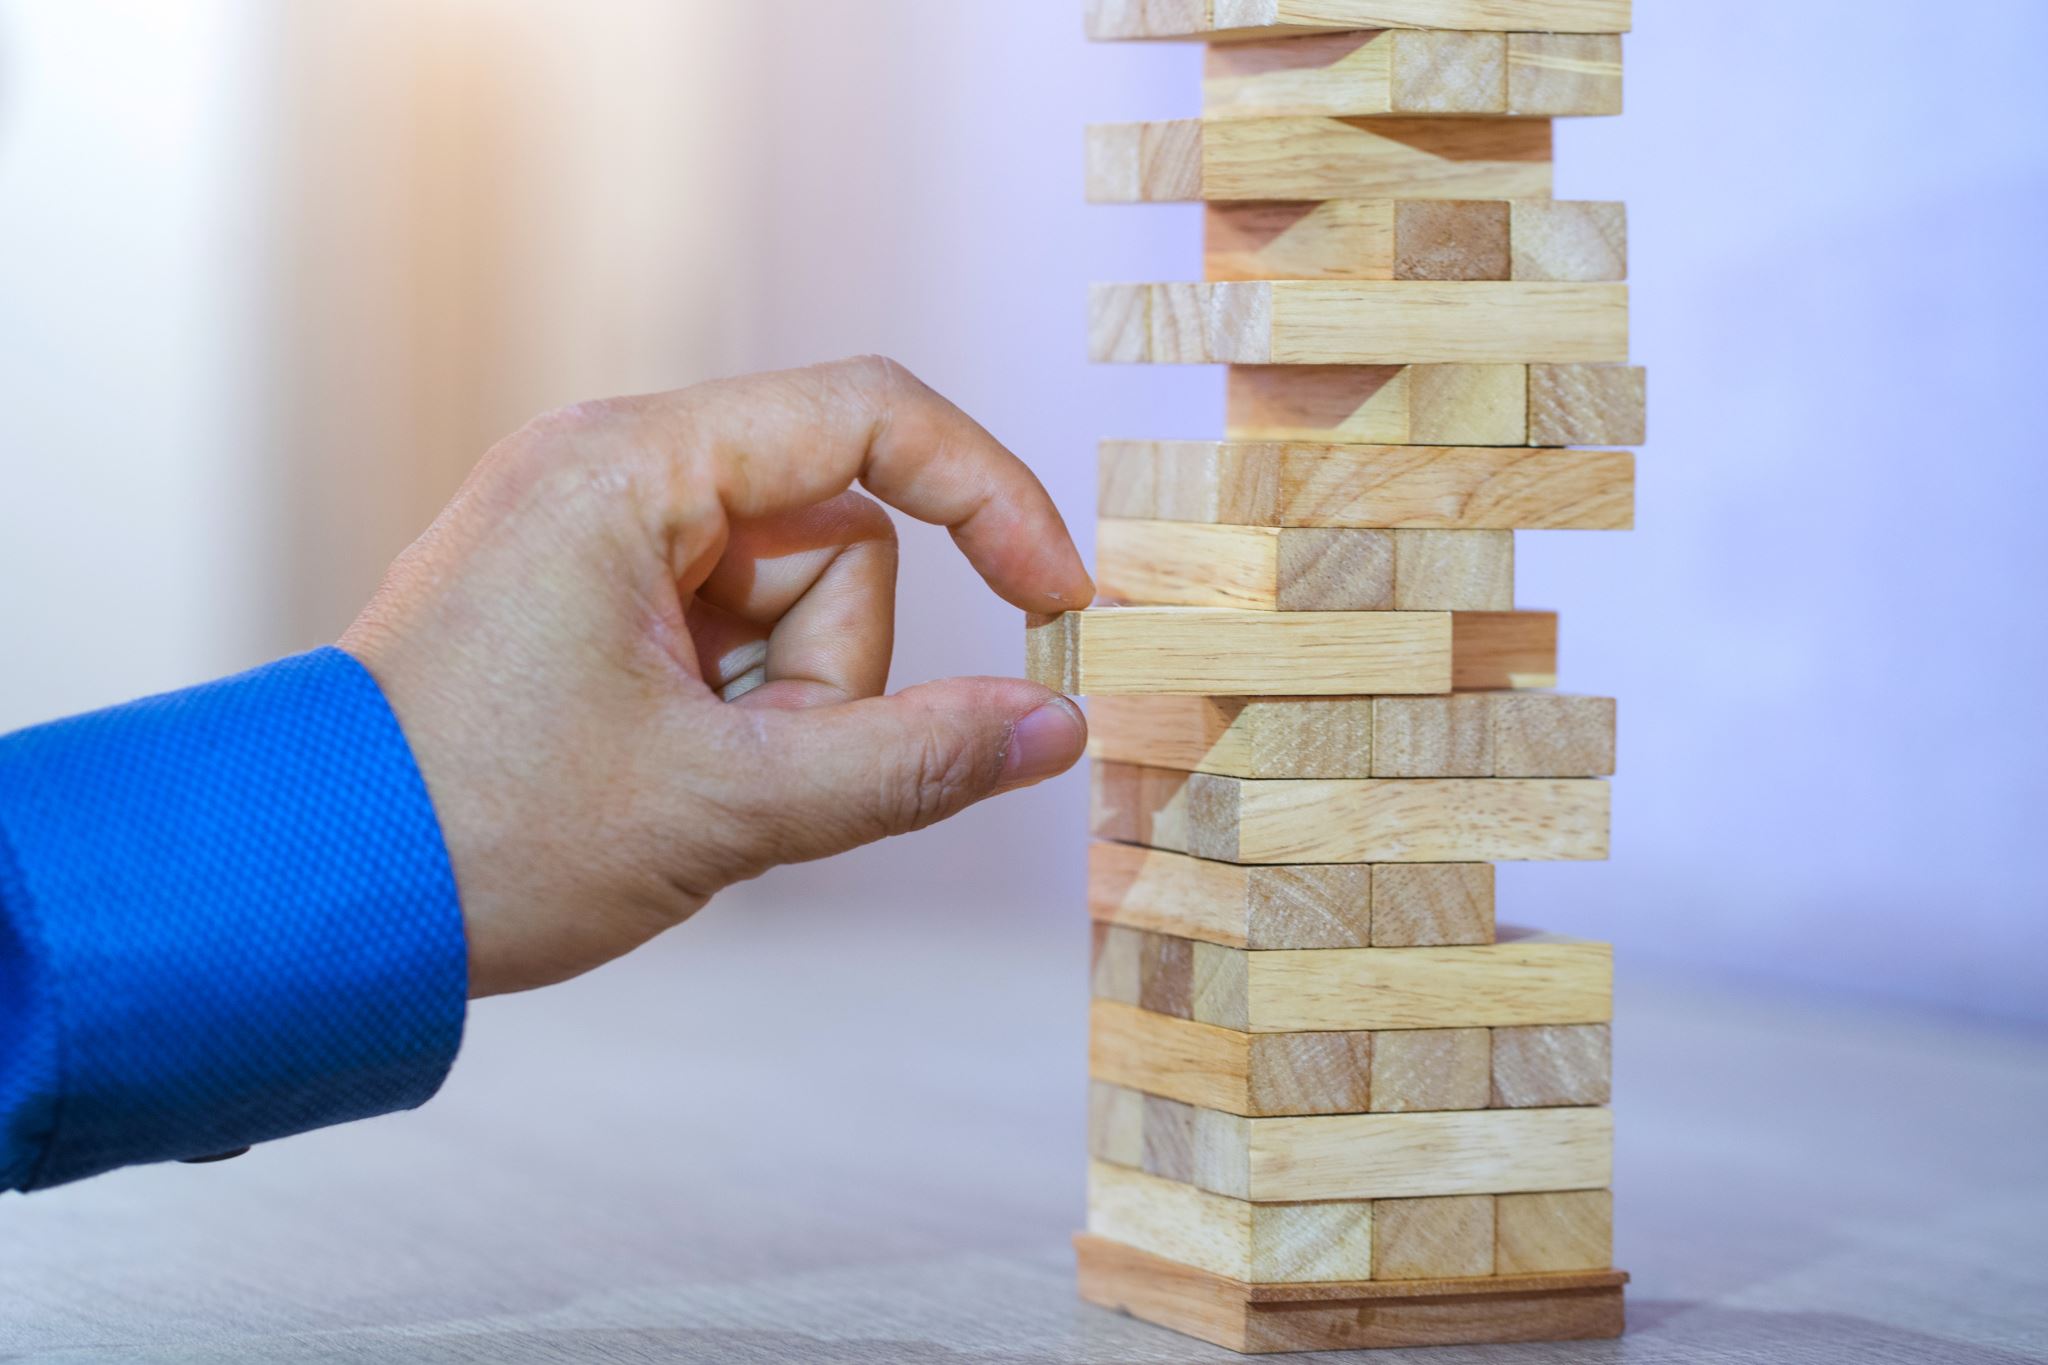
(776, 442)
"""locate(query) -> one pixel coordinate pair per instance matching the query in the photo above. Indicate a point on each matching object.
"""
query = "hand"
(641, 655)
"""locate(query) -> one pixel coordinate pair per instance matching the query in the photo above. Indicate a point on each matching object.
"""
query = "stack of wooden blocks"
(1332, 1105)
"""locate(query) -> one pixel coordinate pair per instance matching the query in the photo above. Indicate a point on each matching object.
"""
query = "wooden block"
(1262, 568)
(1116, 1124)
(1433, 1239)
(1448, 736)
(1558, 239)
(1396, 487)
(1350, 820)
(1335, 239)
(1492, 650)
(1426, 405)
(1415, 1070)
(1554, 1232)
(1309, 157)
(1238, 1073)
(1438, 72)
(1236, 736)
(1548, 735)
(1383, 71)
(1563, 73)
(1549, 1066)
(1377, 1156)
(1586, 405)
(1259, 1243)
(1377, 322)
(1239, 19)
(1315, 906)
(1205, 651)
(1452, 239)
(1463, 990)
(1366, 1314)
(1120, 324)
(1430, 905)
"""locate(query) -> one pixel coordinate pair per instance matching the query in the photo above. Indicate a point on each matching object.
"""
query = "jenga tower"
(1332, 1106)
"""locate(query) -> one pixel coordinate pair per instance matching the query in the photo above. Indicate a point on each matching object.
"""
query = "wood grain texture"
(1350, 820)
(1371, 322)
(1551, 735)
(1455, 993)
(1417, 1070)
(1563, 74)
(1241, 19)
(1550, 1066)
(1433, 1239)
(1362, 1156)
(1260, 568)
(1493, 651)
(1236, 736)
(1564, 1231)
(1429, 905)
(1416, 239)
(1201, 651)
(1450, 239)
(1259, 1243)
(1559, 239)
(1263, 1319)
(1288, 484)
(1448, 736)
(1424, 405)
(1239, 1073)
(1586, 405)
(1308, 158)
(1315, 906)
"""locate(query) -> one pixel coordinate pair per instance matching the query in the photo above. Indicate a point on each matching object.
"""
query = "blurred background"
(273, 275)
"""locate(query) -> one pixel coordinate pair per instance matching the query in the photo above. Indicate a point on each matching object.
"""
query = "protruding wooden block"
(1434, 1068)
(1401, 820)
(1424, 405)
(1586, 405)
(1548, 1066)
(1306, 158)
(1259, 1243)
(1236, 736)
(1378, 322)
(1493, 650)
(1563, 73)
(1369, 1156)
(1256, 1074)
(1558, 239)
(1461, 991)
(1228, 20)
(1432, 1239)
(1425, 905)
(1316, 906)
(1263, 568)
(1564, 1231)
(1361, 1314)
(1452, 239)
(1551, 735)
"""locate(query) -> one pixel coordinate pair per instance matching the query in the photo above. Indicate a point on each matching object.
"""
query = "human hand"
(640, 656)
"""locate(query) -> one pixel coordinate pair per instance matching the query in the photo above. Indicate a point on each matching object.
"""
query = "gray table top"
(832, 1135)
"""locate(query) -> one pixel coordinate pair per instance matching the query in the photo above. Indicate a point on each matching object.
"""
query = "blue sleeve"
(226, 915)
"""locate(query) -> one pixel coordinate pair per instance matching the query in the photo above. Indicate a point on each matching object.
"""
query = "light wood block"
(1362, 1156)
(1318, 158)
(1432, 1239)
(1364, 1314)
(1238, 1073)
(1380, 405)
(1558, 239)
(1549, 1066)
(1563, 73)
(1429, 905)
(1448, 736)
(1371, 322)
(1236, 736)
(1200, 651)
(1586, 405)
(1451, 239)
(1288, 485)
(1551, 735)
(1564, 1231)
(1263, 568)
(1211, 20)
(1315, 906)
(1496, 650)
(1418, 1070)
(1531, 979)
(1332, 239)
(1259, 1243)
(1349, 820)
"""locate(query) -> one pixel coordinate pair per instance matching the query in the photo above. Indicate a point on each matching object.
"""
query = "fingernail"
(1045, 742)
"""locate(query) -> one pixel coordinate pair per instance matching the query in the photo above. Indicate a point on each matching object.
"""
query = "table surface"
(828, 1135)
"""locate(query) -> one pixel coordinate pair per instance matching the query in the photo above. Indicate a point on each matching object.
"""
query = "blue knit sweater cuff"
(226, 915)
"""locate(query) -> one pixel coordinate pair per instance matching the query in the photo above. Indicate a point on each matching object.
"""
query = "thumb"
(890, 765)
